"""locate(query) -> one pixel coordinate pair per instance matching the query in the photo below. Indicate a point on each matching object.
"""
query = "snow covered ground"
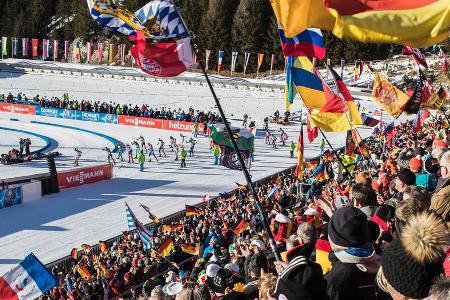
(52, 226)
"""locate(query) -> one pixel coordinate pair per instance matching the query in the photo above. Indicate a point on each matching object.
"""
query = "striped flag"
(234, 56)
(207, 55)
(101, 48)
(111, 53)
(89, 52)
(4, 46)
(191, 211)
(66, 51)
(272, 61)
(246, 60)
(240, 226)
(35, 45)
(83, 271)
(205, 198)
(103, 247)
(15, 46)
(220, 60)
(152, 217)
(312, 164)
(191, 249)
(55, 49)
(274, 194)
(44, 49)
(369, 121)
(260, 62)
(418, 56)
(308, 43)
(319, 173)
(77, 51)
(165, 247)
(143, 232)
(25, 46)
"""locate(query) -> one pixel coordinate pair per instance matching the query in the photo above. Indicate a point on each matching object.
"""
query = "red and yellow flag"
(417, 23)
(388, 96)
(74, 253)
(191, 249)
(103, 247)
(191, 211)
(86, 248)
(83, 271)
(165, 247)
(241, 186)
(240, 226)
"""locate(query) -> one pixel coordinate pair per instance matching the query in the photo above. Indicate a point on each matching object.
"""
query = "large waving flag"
(419, 120)
(144, 234)
(388, 96)
(116, 16)
(28, 280)
(308, 43)
(165, 247)
(417, 23)
(419, 57)
(369, 121)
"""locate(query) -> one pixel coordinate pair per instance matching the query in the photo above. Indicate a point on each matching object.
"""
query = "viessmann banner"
(84, 176)
(17, 108)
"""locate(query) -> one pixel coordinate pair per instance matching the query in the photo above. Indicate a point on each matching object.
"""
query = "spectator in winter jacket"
(354, 262)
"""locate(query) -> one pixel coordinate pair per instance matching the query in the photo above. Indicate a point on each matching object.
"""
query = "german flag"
(191, 249)
(83, 271)
(86, 248)
(240, 226)
(225, 210)
(104, 270)
(323, 249)
(165, 247)
(192, 211)
(103, 247)
(312, 164)
(241, 187)
(74, 253)
(166, 228)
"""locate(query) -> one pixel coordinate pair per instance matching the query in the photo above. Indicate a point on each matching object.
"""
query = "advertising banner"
(181, 126)
(140, 122)
(96, 117)
(10, 197)
(17, 108)
(56, 113)
(84, 176)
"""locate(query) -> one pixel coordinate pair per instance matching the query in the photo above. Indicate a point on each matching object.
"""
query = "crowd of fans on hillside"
(144, 110)
(376, 229)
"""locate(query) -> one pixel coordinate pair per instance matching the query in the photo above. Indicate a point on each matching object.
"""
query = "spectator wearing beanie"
(428, 178)
(354, 262)
(405, 178)
(416, 164)
(411, 263)
(364, 198)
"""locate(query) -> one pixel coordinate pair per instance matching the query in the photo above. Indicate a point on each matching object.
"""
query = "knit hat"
(221, 281)
(348, 227)
(406, 176)
(411, 263)
(431, 166)
(301, 279)
(440, 143)
(415, 164)
(342, 201)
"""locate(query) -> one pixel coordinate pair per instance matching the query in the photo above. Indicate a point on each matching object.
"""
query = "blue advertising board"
(56, 112)
(10, 197)
(96, 117)
(76, 115)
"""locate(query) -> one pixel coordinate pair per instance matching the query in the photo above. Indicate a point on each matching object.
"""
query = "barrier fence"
(162, 124)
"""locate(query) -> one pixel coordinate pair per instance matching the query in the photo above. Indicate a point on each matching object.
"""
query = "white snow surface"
(52, 226)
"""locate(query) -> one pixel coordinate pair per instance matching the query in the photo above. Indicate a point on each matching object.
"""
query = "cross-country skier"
(161, 147)
(191, 148)
(21, 145)
(266, 123)
(292, 148)
(143, 148)
(110, 156)
(151, 152)
(183, 137)
(183, 155)
(130, 153)
(177, 148)
(195, 127)
(137, 150)
(120, 152)
(274, 141)
(245, 120)
(172, 144)
(141, 161)
(284, 137)
(267, 137)
(77, 156)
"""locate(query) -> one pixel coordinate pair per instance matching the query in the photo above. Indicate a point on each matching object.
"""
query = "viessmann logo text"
(83, 175)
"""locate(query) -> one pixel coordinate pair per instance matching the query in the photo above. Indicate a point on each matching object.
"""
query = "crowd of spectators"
(144, 110)
(376, 229)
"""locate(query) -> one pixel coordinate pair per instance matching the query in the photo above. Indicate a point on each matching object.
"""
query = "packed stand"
(357, 227)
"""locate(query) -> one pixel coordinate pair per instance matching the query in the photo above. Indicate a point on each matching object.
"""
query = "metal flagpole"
(238, 152)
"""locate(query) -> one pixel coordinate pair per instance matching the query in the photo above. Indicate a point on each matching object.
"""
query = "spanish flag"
(103, 247)
(192, 211)
(86, 248)
(83, 271)
(240, 226)
(165, 247)
(74, 253)
(388, 96)
(417, 23)
(191, 249)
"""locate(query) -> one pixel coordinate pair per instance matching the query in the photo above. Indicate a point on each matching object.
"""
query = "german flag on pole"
(417, 23)
(192, 211)
(240, 226)
(83, 271)
(191, 249)
(165, 247)
(86, 248)
(74, 253)
(103, 247)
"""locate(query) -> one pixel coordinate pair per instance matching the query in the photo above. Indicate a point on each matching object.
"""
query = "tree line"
(229, 25)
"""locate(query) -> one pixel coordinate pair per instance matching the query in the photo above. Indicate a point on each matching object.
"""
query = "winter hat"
(419, 151)
(348, 227)
(412, 262)
(157, 292)
(342, 201)
(431, 166)
(232, 267)
(173, 288)
(221, 281)
(406, 176)
(415, 164)
(440, 143)
(259, 244)
(211, 270)
(170, 276)
(301, 279)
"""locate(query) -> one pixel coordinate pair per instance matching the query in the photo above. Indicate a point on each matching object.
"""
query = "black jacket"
(347, 281)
